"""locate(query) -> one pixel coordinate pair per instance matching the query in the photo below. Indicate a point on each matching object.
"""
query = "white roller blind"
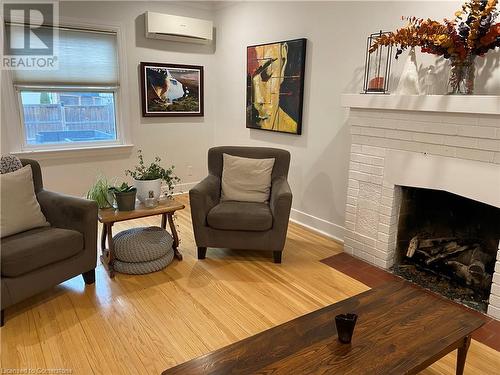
(85, 57)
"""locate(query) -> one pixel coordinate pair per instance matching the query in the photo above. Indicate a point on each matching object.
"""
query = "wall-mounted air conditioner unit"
(179, 29)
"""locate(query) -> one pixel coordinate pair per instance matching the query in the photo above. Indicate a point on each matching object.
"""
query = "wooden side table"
(110, 216)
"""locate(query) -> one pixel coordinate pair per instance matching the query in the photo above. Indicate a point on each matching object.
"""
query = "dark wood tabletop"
(401, 329)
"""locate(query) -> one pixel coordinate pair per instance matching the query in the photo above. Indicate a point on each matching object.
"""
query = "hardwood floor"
(146, 324)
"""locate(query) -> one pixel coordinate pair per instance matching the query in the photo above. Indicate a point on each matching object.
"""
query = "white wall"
(180, 141)
(336, 33)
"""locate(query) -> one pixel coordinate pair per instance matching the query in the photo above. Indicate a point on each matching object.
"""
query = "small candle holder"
(345, 326)
(377, 66)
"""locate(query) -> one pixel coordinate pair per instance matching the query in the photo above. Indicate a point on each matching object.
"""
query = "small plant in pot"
(149, 178)
(124, 196)
(99, 192)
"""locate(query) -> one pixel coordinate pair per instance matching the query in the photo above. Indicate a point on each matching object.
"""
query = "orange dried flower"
(473, 32)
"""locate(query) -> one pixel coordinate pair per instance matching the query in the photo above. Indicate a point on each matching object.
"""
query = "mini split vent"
(179, 29)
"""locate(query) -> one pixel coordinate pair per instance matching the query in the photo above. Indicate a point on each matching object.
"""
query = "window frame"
(71, 145)
(120, 100)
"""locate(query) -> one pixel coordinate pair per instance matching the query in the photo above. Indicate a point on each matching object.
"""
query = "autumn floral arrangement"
(472, 33)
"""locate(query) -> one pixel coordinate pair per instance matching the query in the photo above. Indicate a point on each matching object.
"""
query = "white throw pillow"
(20, 210)
(246, 180)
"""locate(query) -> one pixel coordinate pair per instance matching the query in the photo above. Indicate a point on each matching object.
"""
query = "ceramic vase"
(408, 83)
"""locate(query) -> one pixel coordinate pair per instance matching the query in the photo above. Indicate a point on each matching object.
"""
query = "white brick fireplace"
(449, 143)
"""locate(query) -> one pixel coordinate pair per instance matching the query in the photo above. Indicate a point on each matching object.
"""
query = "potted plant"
(149, 178)
(124, 196)
(99, 192)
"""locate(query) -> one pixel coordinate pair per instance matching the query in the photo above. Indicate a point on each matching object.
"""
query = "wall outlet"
(189, 170)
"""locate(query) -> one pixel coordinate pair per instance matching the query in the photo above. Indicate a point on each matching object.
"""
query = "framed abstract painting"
(275, 86)
(171, 89)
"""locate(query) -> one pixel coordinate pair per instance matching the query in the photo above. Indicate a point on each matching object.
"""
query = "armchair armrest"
(281, 198)
(203, 197)
(67, 212)
(280, 204)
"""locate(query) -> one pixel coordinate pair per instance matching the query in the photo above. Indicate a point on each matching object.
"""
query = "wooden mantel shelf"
(489, 105)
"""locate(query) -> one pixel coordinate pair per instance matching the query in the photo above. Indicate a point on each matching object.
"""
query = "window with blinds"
(75, 104)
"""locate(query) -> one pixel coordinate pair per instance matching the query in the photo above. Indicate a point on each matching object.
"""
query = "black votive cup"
(345, 326)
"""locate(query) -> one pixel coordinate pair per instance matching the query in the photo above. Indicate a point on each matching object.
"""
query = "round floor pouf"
(142, 244)
(140, 268)
(142, 250)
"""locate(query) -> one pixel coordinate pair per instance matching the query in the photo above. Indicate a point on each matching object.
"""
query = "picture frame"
(275, 86)
(171, 90)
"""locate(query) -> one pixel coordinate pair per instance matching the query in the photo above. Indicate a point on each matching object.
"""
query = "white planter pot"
(145, 186)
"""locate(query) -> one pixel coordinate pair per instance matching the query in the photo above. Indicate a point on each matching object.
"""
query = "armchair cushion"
(244, 216)
(33, 249)
(20, 210)
(9, 163)
(246, 179)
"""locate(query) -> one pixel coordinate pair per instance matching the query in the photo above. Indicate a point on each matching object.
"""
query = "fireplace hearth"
(448, 287)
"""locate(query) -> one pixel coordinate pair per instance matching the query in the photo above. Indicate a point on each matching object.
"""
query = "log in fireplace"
(448, 243)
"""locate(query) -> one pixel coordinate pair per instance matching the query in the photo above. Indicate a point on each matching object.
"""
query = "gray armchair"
(41, 258)
(242, 225)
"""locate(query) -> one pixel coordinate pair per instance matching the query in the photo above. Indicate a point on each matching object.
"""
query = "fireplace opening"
(448, 244)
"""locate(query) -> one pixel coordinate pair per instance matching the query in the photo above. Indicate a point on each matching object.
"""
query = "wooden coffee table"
(401, 329)
(110, 216)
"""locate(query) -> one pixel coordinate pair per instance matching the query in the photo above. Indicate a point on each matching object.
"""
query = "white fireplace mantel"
(481, 104)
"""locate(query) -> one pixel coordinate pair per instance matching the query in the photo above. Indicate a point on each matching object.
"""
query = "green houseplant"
(148, 178)
(99, 192)
(124, 196)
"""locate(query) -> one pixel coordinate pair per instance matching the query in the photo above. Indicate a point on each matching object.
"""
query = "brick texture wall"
(474, 137)
(494, 306)
(372, 209)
